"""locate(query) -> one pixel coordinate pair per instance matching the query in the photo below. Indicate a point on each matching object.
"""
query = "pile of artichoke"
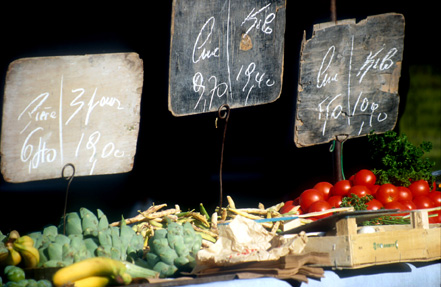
(173, 249)
(86, 235)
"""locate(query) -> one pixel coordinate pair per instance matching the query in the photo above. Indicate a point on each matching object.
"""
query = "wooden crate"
(417, 241)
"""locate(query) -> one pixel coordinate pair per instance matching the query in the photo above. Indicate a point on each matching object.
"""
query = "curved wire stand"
(69, 179)
(224, 114)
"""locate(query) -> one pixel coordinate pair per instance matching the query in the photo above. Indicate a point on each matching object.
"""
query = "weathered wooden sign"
(83, 110)
(348, 83)
(225, 52)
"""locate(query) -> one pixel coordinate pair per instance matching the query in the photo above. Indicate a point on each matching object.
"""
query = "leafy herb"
(359, 203)
(387, 220)
(399, 160)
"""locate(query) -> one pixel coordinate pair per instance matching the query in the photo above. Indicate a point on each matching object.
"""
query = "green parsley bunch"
(398, 160)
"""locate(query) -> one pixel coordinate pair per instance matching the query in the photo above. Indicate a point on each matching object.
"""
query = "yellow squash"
(95, 266)
(92, 281)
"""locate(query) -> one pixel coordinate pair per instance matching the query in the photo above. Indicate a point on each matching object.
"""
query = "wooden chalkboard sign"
(83, 110)
(348, 83)
(225, 52)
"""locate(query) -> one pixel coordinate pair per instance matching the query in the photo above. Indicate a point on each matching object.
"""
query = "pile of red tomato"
(324, 196)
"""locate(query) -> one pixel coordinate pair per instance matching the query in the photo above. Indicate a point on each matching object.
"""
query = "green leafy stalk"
(204, 211)
(387, 220)
(359, 203)
(398, 161)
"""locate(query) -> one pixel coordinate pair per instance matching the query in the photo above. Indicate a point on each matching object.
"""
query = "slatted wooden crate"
(417, 241)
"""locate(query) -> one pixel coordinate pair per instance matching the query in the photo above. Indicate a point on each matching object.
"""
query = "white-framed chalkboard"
(225, 52)
(348, 81)
(83, 110)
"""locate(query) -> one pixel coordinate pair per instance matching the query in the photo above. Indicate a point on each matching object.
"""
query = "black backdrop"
(177, 160)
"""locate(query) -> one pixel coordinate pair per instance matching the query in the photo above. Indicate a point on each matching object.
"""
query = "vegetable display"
(164, 243)
(155, 243)
(153, 219)
(401, 180)
(361, 193)
(98, 253)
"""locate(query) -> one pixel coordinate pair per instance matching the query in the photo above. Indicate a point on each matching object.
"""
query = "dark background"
(177, 160)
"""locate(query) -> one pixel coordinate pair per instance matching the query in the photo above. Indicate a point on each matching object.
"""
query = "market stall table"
(255, 282)
(426, 274)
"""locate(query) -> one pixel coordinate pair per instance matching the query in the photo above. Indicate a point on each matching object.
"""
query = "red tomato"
(374, 204)
(359, 190)
(287, 207)
(387, 193)
(404, 193)
(395, 205)
(308, 197)
(435, 196)
(335, 201)
(419, 187)
(408, 204)
(342, 188)
(374, 189)
(324, 187)
(436, 219)
(320, 205)
(365, 177)
(296, 201)
(423, 201)
(351, 179)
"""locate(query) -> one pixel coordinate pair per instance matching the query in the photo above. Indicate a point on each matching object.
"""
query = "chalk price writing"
(91, 145)
(248, 77)
(333, 107)
(374, 63)
(218, 89)
(38, 146)
(41, 155)
(199, 50)
(258, 19)
(254, 79)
